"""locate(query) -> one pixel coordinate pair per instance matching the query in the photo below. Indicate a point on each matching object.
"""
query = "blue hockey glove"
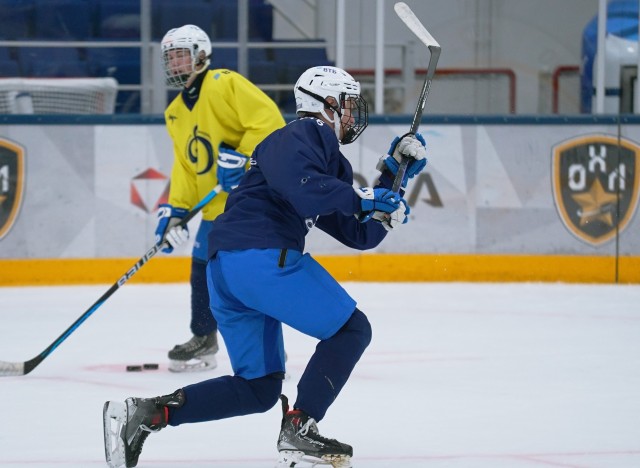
(231, 167)
(168, 231)
(392, 220)
(377, 199)
(410, 146)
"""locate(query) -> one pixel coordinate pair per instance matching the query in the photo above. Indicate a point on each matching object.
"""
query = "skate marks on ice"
(457, 375)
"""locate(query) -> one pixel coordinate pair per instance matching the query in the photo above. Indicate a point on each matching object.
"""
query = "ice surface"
(458, 375)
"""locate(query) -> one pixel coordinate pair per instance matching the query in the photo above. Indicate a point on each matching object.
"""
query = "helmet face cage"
(195, 46)
(359, 114)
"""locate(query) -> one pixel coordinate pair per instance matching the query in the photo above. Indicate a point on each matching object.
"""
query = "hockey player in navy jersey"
(298, 180)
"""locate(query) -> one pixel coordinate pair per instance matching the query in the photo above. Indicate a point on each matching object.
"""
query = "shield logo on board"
(595, 185)
(11, 183)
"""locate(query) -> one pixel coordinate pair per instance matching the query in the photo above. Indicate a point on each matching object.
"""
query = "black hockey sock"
(226, 397)
(202, 320)
(331, 365)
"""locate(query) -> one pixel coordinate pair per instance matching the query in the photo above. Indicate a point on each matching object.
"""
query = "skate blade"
(199, 364)
(114, 416)
(293, 458)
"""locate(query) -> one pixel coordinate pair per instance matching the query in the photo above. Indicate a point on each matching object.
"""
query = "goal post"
(58, 95)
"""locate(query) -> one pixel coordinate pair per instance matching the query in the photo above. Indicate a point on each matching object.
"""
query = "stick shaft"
(22, 368)
(413, 23)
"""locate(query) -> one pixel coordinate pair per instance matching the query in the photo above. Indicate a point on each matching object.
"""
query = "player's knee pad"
(267, 391)
(359, 328)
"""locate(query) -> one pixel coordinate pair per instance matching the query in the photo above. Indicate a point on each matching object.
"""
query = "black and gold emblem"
(595, 185)
(11, 183)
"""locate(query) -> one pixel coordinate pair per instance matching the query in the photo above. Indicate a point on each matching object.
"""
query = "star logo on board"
(149, 189)
(596, 205)
(595, 185)
(12, 179)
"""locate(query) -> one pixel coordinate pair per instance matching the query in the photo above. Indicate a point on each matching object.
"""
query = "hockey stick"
(413, 23)
(23, 368)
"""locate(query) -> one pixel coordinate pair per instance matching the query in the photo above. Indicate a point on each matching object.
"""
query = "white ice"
(457, 375)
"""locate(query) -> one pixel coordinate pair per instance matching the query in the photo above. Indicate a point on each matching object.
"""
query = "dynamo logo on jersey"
(11, 183)
(595, 185)
(310, 223)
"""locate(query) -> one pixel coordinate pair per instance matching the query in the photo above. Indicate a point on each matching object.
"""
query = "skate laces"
(309, 425)
(194, 343)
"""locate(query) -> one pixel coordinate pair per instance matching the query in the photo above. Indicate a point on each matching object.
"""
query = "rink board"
(492, 204)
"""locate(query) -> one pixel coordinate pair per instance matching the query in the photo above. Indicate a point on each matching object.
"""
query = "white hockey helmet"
(193, 39)
(316, 84)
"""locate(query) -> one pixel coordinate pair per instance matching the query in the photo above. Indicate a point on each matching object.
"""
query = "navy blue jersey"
(298, 178)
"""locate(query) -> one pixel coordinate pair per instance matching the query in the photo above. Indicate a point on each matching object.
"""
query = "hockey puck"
(150, 366)
(134, 368)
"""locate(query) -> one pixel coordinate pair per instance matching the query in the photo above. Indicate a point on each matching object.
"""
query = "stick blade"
(413, 23)
(8, 369)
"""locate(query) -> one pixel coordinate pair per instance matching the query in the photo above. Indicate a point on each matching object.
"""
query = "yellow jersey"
(226, 107)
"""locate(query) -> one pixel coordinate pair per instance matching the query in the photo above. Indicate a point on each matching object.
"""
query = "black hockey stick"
(413, 23)
(23, 368)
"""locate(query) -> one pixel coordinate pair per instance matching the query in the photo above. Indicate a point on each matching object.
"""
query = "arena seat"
(263, 72)
(169, 14)
(292, 61)
(222, 57)
(118, 19)
(121, 63)
(55, 62)
(58, 69)
(225, 20)
(9, 68)
(16, 19)
(64, 19)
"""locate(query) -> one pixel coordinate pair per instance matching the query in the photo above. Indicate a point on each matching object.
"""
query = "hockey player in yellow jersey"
(215, 123)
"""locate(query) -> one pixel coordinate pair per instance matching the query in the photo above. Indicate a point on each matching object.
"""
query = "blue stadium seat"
(169, 14)
(29, 54)
(222, 57)
(16, 19)
(225, 23)
(51, 61)
(9, 68)
(309, 56)
(58, 69)
(260, 20)
(121, 63)
(292, 61)
(263, 72)
(64, 19)
(118, 19)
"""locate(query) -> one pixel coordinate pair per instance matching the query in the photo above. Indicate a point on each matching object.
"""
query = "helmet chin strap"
(194, 74)
(337, 115)
(335, 120)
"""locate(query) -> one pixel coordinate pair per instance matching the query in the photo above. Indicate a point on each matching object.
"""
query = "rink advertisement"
(492, 194)
(595, 185)
(11, 183)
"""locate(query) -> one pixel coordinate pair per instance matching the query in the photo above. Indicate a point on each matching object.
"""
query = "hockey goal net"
(58, 95)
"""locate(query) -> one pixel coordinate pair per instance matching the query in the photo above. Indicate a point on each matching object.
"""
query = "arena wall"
(502, 199)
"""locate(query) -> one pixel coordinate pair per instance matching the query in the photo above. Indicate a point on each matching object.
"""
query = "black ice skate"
(197, 354)
(127, 425)
(300, 441)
